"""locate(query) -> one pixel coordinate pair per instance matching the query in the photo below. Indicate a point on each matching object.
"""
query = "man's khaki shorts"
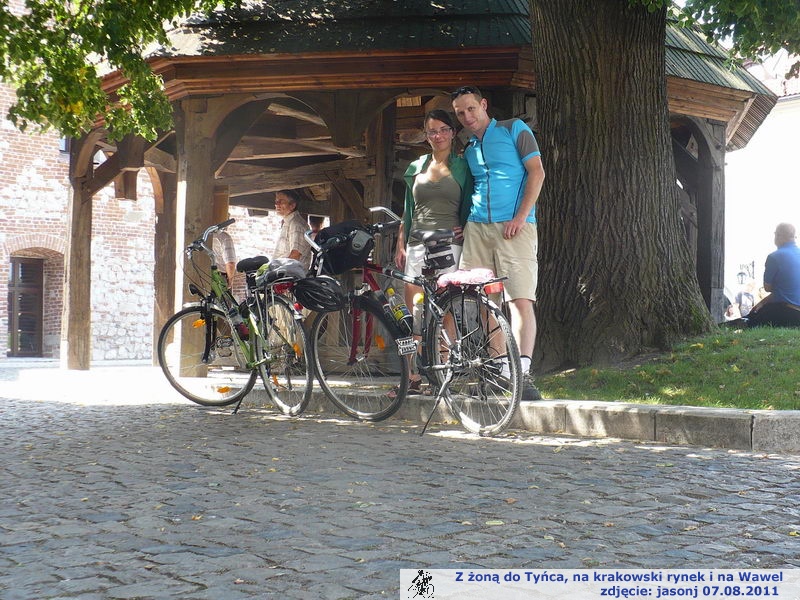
(485, 247)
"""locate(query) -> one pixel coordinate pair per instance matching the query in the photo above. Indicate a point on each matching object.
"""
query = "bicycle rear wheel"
(282, 351)
(192, 334)
(473, 349)
(357, 360)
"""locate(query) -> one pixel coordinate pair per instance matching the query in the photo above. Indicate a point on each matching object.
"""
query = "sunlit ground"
(100, 385)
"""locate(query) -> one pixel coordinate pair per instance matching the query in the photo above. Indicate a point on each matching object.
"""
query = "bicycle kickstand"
(238, 404)
(439, 397)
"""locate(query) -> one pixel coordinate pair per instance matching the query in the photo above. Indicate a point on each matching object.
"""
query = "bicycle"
(212, 350)
(468, 352)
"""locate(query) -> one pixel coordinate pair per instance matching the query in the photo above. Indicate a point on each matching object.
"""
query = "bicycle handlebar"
(388, 211)
(326, 245)
(373, 229)
(201, 243)
(214, 228)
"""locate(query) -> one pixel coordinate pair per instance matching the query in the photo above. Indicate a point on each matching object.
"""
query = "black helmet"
(321, 293)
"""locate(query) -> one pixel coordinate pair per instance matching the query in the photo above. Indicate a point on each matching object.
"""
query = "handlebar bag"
(351, 252)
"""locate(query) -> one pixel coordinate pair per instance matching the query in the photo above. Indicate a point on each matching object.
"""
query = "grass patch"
(750, 368)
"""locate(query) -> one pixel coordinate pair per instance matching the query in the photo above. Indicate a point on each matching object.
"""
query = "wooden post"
(164, 271)
(380, 145)
(194, 128)
(77, 332)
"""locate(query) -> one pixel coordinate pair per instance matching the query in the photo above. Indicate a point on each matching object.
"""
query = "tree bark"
(616, 276)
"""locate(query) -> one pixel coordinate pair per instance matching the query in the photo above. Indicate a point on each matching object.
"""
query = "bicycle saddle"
(251, 264)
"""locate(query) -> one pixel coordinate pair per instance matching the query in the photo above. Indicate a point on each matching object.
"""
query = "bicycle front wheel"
(282, 352)
(473, 352)
(357, 360)
(202, 359)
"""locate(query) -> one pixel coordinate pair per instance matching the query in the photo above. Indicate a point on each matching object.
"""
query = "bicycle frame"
(458, 352)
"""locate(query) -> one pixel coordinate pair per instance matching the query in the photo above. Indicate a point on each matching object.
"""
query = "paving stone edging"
(754, 430)
(768, 431)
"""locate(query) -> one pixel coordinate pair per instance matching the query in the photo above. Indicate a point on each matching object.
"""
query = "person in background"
(315, 224)
(501, 233)
(221, 241)
(225, 254)
(781, 307)
(291, 241)
(438, 196)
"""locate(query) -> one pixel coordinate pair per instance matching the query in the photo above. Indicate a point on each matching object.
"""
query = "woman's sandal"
(415, 386)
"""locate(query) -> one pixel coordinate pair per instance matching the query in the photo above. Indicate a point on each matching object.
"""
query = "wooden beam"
(286, 111)
(706, 101)
(234, 126)
(128, 157)
(322, 145)
(164, 252)
(266, 202)
(278, 179)
(102, 176)
(441, 69)
(256, 148)
(686, 166)
(160, 160)
(348, 192)
(125, 185)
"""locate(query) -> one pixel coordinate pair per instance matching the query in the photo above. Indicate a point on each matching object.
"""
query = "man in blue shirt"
(781, 308)
(500, 233)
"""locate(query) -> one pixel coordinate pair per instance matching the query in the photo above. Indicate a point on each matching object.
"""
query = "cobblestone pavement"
(121, 490)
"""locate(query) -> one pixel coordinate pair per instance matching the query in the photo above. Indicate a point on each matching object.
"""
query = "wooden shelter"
(329, 98)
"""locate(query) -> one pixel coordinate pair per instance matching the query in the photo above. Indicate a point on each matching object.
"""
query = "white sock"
(505, 371)
(526, 363)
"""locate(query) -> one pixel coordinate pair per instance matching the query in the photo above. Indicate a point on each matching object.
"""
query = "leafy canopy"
(55, 52)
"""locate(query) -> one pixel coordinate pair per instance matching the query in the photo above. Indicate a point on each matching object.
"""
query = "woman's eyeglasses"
(431, 133)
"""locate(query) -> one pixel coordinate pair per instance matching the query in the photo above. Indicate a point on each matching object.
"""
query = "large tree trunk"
(616, 276)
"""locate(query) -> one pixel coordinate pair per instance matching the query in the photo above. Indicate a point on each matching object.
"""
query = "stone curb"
(753, 430)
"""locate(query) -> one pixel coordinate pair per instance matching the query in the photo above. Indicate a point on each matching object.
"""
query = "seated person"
(781, 308)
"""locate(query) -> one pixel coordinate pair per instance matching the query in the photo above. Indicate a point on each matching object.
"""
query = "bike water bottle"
(384, 302)
(418, 313)
(400, 312)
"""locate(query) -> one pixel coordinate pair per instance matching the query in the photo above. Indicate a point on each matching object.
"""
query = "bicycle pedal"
(406, 346)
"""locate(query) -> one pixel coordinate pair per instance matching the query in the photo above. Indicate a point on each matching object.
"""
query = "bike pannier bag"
(352, 252)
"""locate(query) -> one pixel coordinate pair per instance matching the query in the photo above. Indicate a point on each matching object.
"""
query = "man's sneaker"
(529, 391)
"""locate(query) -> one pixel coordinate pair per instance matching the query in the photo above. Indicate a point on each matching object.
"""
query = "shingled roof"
(689, 56)
(297, 26)
(308, 27)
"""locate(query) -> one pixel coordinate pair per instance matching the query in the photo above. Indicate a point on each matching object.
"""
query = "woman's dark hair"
(441, 115)
(448, 119)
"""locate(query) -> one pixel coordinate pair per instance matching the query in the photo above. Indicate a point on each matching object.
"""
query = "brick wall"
(34, 194)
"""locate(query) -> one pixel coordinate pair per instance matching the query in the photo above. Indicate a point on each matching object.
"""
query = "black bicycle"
(362, 353)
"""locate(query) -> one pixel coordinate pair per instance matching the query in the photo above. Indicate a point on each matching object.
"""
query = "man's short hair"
(466, 89)
(293, 195)
(786, 230)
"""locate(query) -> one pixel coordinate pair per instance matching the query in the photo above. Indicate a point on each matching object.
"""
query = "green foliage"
(751, 368)
(755, 27)
(54, 53)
